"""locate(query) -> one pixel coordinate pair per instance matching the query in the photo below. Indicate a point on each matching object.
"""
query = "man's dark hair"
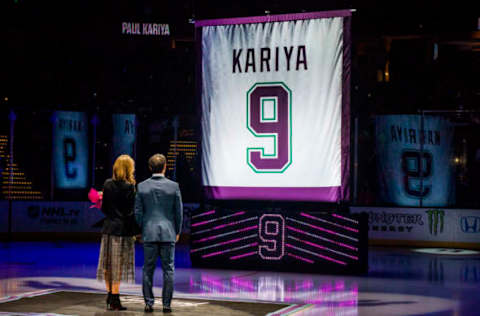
(156, 163)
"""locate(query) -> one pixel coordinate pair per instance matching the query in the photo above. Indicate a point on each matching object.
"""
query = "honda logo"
(470, 224)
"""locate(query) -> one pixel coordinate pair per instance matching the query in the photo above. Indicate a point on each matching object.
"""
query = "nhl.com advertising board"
(48, 216)
(62, 217)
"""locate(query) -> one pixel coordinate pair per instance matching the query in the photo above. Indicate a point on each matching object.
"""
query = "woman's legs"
(108, 285)
(115, 286)
(108, 281)
(115, 289)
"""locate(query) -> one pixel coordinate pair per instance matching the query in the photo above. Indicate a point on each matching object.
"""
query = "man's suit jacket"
(159, 209)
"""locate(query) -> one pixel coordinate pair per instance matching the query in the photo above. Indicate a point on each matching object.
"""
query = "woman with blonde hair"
(116, 261)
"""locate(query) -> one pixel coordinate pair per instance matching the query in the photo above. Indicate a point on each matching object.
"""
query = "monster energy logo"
(435, 221)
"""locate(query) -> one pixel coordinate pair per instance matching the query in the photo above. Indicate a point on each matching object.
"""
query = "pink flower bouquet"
(96, 198)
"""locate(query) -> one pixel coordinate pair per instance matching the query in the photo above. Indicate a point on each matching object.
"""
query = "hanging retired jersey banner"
(70, 149)
(274, 92)
(415, 168)
(124, 135)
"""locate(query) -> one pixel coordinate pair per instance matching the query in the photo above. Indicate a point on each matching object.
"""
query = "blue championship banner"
(70, 149)
(410, 174)
(124, 134)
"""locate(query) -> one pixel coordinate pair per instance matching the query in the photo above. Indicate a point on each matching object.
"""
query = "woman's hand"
(139, 238)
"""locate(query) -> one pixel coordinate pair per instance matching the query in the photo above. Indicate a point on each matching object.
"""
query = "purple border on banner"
(345, 143)
(274, 18)
(325, 194)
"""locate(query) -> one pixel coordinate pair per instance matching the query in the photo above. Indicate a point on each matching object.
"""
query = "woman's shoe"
(115, 304)
(109, 300)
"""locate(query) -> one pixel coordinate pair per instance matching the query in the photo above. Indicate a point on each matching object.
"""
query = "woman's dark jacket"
(117, 205)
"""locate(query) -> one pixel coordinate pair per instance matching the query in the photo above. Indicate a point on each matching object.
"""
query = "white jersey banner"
(272, 100)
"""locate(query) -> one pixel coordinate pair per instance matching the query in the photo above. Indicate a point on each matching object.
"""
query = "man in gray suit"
(159, 212)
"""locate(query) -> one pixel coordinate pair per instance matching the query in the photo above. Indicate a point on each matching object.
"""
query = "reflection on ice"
(276, 288)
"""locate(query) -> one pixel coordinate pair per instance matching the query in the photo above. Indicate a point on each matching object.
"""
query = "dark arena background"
(327, 152)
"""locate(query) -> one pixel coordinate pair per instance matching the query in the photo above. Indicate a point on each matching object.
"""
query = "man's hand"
(178, 237)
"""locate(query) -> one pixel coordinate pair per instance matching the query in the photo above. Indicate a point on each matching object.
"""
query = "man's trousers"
(166, 251)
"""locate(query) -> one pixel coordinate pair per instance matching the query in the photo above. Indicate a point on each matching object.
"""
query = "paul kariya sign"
(134, 28)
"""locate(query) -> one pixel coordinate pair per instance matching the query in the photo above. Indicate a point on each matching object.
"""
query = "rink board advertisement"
(275, 97)
(64, 217)
(70, 149)
(409, 172)
(55, 217)
(3, 216)
(124, 134)
(427, 225)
